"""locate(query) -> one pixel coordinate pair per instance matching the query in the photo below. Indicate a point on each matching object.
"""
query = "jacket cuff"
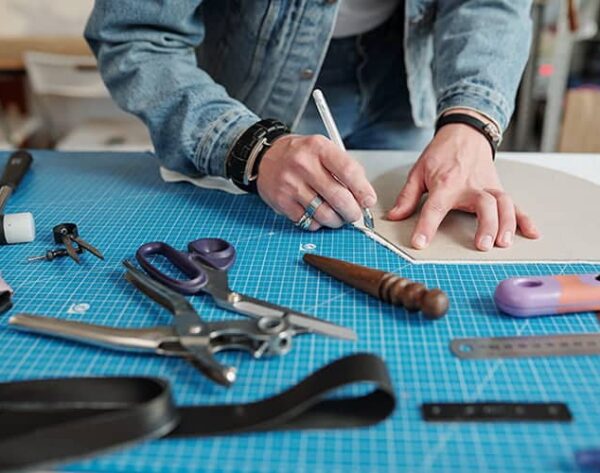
(218, 138)
(483, 100)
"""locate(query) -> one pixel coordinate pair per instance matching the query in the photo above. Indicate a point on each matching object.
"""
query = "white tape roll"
(18, 228)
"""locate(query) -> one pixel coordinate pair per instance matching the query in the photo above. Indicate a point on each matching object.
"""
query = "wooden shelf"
(12, 49)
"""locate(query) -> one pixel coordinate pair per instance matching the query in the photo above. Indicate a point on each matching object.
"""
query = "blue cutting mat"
(119, 202)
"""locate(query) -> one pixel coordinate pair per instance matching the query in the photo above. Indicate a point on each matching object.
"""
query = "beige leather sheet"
(566, 209)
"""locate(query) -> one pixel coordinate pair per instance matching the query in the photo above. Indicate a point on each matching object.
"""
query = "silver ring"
(313, 206)
(309, 211)
(304, 222)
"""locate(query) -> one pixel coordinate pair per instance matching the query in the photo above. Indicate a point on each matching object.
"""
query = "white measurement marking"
(308, 247)
(78, 308)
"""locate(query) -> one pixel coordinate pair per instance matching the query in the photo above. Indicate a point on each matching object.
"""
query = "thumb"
(408, 198)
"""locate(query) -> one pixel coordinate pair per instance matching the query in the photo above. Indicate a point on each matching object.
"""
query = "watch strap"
(489, 130)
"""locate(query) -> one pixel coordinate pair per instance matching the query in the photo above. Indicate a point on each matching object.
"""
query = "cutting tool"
(206, 264)
(189, 337)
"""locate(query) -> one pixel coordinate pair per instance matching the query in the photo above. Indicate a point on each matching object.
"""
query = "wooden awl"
(384, 286)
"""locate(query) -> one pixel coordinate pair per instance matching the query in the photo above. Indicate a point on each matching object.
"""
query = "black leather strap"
(44, 422)
(482, 127)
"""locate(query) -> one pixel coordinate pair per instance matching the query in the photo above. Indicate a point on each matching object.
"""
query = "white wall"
(44, 17)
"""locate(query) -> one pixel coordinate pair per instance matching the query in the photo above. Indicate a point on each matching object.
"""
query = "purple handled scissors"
(205, 264)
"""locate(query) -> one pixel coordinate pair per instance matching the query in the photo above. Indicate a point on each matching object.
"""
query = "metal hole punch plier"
(189, 337)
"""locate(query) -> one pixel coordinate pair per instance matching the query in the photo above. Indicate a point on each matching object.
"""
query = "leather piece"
(49, 421)
(497, 412)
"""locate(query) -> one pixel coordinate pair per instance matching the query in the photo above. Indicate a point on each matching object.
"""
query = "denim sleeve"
(480, 51)
(146, 55)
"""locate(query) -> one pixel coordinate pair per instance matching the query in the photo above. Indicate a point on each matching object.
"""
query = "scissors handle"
(182, 261)
(215, 252)
(204, 252)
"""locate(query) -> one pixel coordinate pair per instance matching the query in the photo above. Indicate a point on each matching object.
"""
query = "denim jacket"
(199, 72)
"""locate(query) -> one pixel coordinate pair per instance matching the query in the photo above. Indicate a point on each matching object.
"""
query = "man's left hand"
(457, 171)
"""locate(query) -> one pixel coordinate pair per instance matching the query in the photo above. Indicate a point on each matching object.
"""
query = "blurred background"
(51, 95)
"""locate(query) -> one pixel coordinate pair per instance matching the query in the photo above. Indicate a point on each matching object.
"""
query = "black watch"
(489, 130)
(248, 150)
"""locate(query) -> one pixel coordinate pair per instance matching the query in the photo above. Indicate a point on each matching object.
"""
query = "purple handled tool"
(206, 264)
(206, 252)
(544, 295)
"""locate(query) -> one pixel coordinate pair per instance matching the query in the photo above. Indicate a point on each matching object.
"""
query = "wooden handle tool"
(384, 286)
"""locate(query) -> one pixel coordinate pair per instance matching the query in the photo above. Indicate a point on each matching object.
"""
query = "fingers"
(408, 199)
(497, 218)
(507, 220)
(324, 214)
(433, 212)
(486, 209)
(339, 199)
(349, 172)
(297, 169)
(526, 225)
(295, 212)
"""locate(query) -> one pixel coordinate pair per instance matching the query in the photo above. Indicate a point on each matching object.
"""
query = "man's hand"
(457, 171)
(297, 168)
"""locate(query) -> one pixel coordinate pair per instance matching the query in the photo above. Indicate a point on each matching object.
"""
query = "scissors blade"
(300, 322)
(218, 288)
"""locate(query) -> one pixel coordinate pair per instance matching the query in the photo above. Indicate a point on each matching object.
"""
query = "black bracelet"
(488, 130)
(249, 150)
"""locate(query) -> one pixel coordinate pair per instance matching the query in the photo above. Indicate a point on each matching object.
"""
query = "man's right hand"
(297, 168)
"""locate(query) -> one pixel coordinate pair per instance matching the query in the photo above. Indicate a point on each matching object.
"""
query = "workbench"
(119, 202)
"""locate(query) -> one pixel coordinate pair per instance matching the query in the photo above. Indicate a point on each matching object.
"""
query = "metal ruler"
(523, 347)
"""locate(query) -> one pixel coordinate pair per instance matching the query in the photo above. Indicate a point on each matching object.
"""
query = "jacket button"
(307, 73)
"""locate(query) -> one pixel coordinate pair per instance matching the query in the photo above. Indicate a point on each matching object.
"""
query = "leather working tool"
(190, 337)
(206, 264)
(19, 227)
(496, 412)
(386, 287)
(334, 135)
(51, 255)
(67, 234)
(45, 422)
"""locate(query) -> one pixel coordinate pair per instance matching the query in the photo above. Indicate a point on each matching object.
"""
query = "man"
(202, 74)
